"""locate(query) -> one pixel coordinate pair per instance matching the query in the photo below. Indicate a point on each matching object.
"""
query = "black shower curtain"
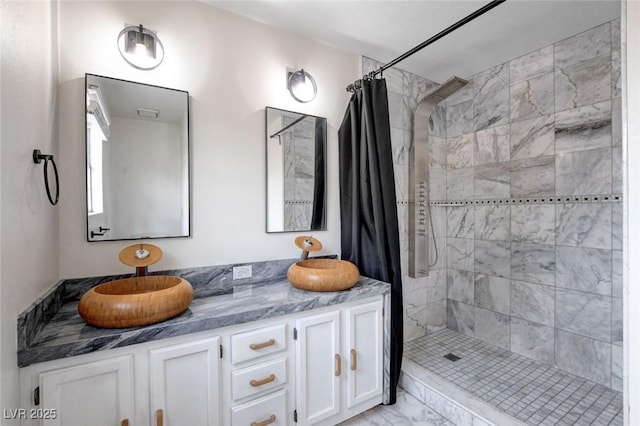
(368, 212)
(318, 206)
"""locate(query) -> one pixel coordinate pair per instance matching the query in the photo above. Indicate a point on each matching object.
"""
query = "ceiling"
(385, 29)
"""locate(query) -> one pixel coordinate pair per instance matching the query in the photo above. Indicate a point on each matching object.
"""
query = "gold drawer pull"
(270, 420)
(125, 422)
(256, 346)
(338, 365)
(159, 420)
(354, 360)
(256, 383)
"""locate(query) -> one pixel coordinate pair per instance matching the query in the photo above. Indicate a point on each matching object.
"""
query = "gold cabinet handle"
(256, 346)
(256, 383)
(354, 360)
(125, 422)
(270, 420)
(338, 365)
(159, 419)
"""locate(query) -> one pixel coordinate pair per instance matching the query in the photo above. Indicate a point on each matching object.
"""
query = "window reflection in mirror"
(137, 154)
(296, 171)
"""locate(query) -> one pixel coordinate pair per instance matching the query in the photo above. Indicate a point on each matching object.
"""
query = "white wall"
(29, 227)
(275, 177)
(233, 68)
(143, 206)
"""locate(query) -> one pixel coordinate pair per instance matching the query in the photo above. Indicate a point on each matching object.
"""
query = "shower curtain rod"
(356, 84)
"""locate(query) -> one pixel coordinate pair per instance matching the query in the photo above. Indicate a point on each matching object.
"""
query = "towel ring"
(37, 159)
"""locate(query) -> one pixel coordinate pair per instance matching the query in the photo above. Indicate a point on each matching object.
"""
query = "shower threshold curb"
(457, 405)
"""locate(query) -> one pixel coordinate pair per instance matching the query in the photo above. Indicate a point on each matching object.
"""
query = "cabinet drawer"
(256, 343)
(258, 378)
(269, 410)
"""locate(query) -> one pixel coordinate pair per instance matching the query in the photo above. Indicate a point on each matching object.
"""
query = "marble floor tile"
(407, 411)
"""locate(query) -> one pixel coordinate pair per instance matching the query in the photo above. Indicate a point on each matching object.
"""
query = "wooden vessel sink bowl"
(323, 274)
(132, 302)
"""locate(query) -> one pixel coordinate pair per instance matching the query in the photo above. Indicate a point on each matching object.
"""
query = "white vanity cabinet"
(339, 363)
(184, 383)
(319, 366)
(153, 384)
(260, 374)
(98, 393)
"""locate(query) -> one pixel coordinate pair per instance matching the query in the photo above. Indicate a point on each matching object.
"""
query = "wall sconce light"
(302, 86)
(140, 47)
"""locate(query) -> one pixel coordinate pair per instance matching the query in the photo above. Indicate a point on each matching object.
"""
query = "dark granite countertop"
(65, 334)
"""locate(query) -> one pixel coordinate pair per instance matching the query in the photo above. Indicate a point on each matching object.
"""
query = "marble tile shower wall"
(299, 172)
(425, 299)
(542, 280)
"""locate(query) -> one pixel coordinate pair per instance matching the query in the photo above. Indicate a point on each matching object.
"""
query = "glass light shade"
(140, 47)
(302, 86)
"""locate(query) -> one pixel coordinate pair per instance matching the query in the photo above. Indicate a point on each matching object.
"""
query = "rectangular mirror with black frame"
(137, 160)
(296, 171)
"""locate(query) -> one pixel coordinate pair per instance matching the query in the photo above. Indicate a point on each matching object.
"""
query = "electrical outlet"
(241, 272)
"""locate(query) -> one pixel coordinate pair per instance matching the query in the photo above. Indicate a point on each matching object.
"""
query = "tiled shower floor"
(534, 393)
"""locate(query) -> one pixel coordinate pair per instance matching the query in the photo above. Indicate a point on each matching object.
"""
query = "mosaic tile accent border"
(573, 199)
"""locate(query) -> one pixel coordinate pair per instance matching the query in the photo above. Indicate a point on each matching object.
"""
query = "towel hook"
(37, 159)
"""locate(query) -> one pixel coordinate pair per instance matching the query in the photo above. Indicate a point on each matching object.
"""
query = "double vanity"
(252, 351)
(246, 351)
